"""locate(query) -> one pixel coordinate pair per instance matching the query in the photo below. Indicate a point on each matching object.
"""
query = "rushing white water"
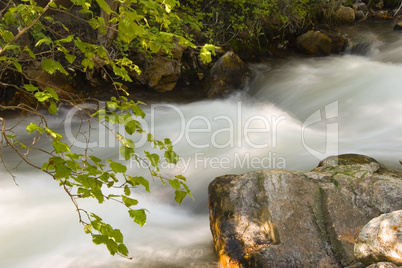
(297, 112)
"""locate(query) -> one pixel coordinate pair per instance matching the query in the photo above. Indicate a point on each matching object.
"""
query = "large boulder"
(381, 240)
(276, 218)
(227, 74)
(160, 72)
(314, 43)
(345, 15)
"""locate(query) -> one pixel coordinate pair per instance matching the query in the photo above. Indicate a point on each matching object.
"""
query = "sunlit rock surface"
(276, 218)
(381, 240)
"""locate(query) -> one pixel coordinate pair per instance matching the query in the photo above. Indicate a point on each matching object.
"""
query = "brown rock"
(161, 72)
(345, 15)
(381, 240)
(398, 26)
(314, 43)
(273, 218)
(227, 74)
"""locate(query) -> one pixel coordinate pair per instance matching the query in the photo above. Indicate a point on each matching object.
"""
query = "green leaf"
(60, 147)
(62, 171)
(11, 136)
(7, 36)
(179, 196)
(112, 246)
(138, 216)
(30, 87)
(168, 143)
(32, 127)
(153, 158)
(127, 190)
(181, 177)
(123, 249)
(31, 54)
(53, 134)
(103, 5)
(68, 39)
(117, 167)
(171, 157)
(88, 229)
(174, 183)
(129, 201)
(99, 239)
(52, 66)
(52, 93)
(52, 107)
(53, 4)
(126, 152)
(139, 181)
(46, 41)
(117, 235)
(95, 159)
(138, 111)
(49, 18)
(74, 156)
(70, 58)
(17, 66)
(42, 96)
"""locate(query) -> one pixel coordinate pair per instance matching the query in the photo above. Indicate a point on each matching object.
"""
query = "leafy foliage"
(77, 170)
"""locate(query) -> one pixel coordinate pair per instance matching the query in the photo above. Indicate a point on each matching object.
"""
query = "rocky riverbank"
(277, 218)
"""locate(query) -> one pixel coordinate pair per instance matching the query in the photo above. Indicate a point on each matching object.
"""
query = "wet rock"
(161, 72)
(314, 43)
(273, 218)
(229, 73)
(360, 15)
(381, 240)
(345, 15)
(338, 41)
(398, 26)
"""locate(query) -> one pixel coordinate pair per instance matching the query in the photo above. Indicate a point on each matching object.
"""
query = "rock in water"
(314, 43)
(227, 74)
(276, 218)
(398, 26)
(381, 240)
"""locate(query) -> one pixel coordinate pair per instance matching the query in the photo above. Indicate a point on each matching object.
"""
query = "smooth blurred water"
(295, 113)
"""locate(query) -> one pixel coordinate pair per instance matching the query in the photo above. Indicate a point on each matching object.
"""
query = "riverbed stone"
(345, 15)
(228, 73)
(277, 218)
(314, 43)
(161, 72)
(381, 240)
(398, 26)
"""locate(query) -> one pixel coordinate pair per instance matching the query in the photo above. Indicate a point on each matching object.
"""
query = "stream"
(296, 112)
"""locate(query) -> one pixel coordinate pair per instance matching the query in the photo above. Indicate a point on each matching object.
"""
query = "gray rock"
(273, 218)
(381, 239)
